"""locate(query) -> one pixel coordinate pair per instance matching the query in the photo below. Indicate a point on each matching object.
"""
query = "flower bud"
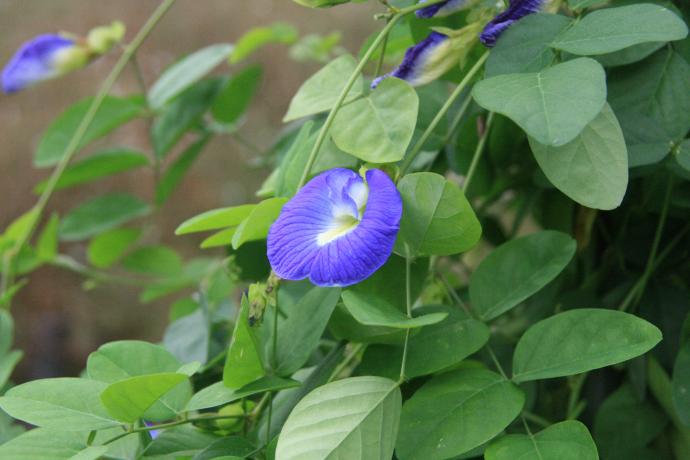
(101, 39)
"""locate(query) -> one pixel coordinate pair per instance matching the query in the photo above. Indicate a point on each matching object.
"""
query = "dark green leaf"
(153, 260)
(377, 312)
(175, 173)
(101, 214)
(218, 394)
(234, 98)
(244, 363)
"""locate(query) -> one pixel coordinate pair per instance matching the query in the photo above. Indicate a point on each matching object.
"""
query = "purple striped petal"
(517, 10)
(337, 230)
(441, 9)
(424, 62)
(38, 59)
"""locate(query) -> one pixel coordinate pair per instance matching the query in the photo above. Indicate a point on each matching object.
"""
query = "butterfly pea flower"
(515, 11)
(442, 9)
(53, 55)
(338, 229)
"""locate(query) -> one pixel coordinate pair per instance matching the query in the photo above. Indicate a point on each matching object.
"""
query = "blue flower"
(337, 230)
(44, 57)
(441, 9)
(426, 61)
(517, 10)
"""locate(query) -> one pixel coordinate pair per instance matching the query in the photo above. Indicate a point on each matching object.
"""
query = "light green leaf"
(524, 47)
(432, 348)
(437, 218)
(189, 336)
(121, 360)
(379, 127)
(153, 260)
(628, 55)
(321, 426)
(101, 214)
(186, 72)
(257, 37)
(183, 114)
(592, 169)
(612, 29)
(215, 219)
(91, 453)
(67, 404)
(113, 113)
(580, 340)
(304, 313)
(218, 394)
(221, 238)
(47, 244)
(569, 440)
(175, 173)
(96, 166)
(372, 311)
(127, 400)
(44, 444)
(554, 105)
(255, 226)
(320, 92)
(681, 384)
(107, 248)
(244, 363)
(455, 412)
(518, 269)
(234, 98)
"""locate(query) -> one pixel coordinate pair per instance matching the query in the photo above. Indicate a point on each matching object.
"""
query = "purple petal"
(309, 239)
(424, 62)
(440, 9)
(517, 10)
(35, 61)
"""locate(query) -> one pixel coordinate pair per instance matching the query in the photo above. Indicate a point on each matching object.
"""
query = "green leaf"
(127, 400)
(45, 444)
(186, 72)
(121, 360)
(113, 113)
(432, 348)
(569, 440)
(438, 219)
(612, 29)
(580, 340)
(518, 269)
(683, 155)
(320, 92)
(629, 55)
(592, 169)
(379, 127)
(554, 105)
(154, 260)
(624, 424)
(235, 446)
(91, 453)
(8, 362)
(183, 114)
(524, 47)
(244, 363)
(455, 412)
(234, 98)
(218, 394)
(681, 384)
(67, 404)
(377, 312)
(107, 248)
(656, 88)
(96, 166)
(321, 426)
(304, 313)
(101, 214)
(6, 332)
(185, 440)
(215, 219)
(255, 226)
(47, 244)
(175, 173)
(257, 37)
(221, 238)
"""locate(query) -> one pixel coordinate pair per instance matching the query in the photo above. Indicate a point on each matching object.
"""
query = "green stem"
(346, 362)
(441, 113)
(382, 57)
(478, 153)
(393, 19)
(497, 363)
(77, 138)
(408, 303)
(170, 425)
(536, 419)
(67, 263)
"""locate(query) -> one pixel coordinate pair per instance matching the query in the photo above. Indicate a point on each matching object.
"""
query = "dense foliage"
(482, 253)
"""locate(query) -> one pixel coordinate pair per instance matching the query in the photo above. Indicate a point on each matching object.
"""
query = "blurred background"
(57, 321)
